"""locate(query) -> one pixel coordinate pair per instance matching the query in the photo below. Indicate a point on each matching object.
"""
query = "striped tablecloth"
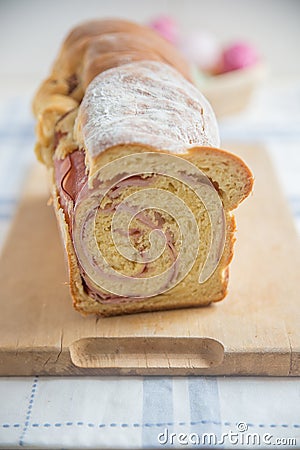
(154, 412)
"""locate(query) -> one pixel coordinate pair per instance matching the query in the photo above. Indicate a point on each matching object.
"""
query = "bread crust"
(90, 49)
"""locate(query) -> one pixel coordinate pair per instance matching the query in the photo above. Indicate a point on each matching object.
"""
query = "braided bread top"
(98, 45)
(143, 91)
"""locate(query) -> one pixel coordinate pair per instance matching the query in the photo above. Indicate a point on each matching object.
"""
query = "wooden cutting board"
(255, 330)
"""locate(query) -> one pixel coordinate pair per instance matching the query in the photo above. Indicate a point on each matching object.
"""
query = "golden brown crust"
(86, 37)
(88, 50)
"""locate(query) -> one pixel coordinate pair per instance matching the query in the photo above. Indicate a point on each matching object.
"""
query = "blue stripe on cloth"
(294, 198)
(7, 208)
(8, 201)
(259, 135)
(16, 156)
(295, 205)
(26, 133)
(23, 132)
(157, 409)
(204, 407)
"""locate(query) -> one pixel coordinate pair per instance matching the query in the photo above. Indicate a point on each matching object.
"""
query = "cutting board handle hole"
(136, 352)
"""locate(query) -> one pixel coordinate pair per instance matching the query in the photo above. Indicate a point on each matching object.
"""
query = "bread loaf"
(142, 192)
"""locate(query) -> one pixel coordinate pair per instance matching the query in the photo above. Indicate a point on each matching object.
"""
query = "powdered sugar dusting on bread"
(147, 103)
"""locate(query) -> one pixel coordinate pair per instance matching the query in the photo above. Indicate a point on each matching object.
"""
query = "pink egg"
(166, 27)
(202, 49)
(239, 56)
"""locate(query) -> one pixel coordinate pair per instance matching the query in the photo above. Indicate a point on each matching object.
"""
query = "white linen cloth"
(131, 412)
(143, 412)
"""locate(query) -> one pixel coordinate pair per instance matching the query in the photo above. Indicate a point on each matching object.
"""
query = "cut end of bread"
(230, 180)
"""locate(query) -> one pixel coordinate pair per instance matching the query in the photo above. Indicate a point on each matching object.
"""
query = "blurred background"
(32, 30)
(256, 100)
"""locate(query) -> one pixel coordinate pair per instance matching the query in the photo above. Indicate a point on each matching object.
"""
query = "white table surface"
(132, 412)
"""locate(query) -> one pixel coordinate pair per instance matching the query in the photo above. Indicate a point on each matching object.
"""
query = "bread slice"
(142, 193)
